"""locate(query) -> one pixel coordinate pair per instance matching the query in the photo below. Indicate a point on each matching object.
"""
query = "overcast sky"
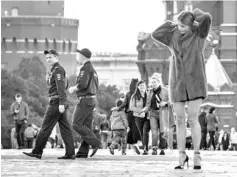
(113, 25)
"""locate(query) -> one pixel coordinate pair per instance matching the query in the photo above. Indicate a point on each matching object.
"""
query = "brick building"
(154, 57)
(30, 27)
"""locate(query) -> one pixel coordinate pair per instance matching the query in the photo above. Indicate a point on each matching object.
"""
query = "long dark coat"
(187, 78)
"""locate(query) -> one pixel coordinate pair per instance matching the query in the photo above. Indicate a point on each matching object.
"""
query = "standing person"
(137, 103)
(13, 138)
(233, 139)
(29, 135)
(104, 131)
(211, 126)
(56, 111)
(133, 136)
(86, 88)
(225, 141)
(20, 111)
(119, 127)
(203, 123)
(157, 98)
(187, 78)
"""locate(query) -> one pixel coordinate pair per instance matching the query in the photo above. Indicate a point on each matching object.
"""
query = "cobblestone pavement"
(214, 164)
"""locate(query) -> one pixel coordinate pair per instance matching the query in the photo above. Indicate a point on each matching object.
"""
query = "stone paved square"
(214, 164)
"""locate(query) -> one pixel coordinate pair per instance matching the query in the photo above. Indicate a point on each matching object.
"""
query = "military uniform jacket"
(87, 80)
(57, 83)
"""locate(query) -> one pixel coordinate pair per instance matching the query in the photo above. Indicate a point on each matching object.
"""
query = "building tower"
(30, 27)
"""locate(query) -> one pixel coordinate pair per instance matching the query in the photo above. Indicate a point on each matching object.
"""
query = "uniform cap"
(85, 52)
(51, 51)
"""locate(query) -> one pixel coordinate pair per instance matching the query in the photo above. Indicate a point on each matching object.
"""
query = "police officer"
(85, 88)
(56, 111)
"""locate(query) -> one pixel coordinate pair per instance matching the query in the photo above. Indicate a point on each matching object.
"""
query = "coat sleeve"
(26, 111)
(60, 84)
(163, 34)
(148, 102)
(12, 109)
(124, 118)
(204, 19)
(132, 105)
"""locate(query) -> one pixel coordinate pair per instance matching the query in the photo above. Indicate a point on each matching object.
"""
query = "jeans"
(193, 111)
(29, 142)
(203, 143)
(211, 141)
(104, 139)
(119, 135)
(155, 130)
(82, 124)
(20, 129)
(143, 125)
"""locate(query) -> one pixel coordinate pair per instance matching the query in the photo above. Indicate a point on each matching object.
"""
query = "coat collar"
(54, 66)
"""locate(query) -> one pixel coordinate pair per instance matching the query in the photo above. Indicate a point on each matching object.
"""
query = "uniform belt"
(53, 97)
(86, 96)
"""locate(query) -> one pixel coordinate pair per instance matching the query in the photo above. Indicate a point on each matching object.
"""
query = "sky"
(113, 25)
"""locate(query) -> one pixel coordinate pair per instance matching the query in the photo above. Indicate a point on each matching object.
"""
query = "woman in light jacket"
(137, 103)
(187, 78)
(157, 98)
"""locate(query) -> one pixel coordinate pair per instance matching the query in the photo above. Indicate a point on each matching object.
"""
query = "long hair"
(137, 94)
(132, 86)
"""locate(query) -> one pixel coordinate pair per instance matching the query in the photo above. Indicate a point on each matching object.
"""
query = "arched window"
(46, 43)
(15, 11)
(70, 46)
(54, 44)
(14, 44)
(26, 44)
(35, 44)
(3, 44)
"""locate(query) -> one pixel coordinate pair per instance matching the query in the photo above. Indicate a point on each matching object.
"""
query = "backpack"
(94, 82)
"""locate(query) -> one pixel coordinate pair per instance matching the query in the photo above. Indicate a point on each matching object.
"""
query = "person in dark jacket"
(211, 126)
(225, 141)
(187, 76)
(203, 123)
(133, 134)
(56, 111)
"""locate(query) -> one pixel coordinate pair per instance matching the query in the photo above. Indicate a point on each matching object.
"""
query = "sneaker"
(145, 152)
(136, 149)
(124, 152)
(111, 150)
(154, 152)
(162, 152)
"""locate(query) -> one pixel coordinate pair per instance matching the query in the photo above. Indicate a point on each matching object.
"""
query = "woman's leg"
(193, 111)
(146, 129)
(180, 124)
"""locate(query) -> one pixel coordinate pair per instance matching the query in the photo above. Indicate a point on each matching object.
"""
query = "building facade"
(116, 69)
(30, 27)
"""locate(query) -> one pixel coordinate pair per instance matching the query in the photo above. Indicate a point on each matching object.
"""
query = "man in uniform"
(85, 88)
(56, 111)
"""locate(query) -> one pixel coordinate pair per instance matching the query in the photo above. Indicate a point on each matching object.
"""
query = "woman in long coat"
(187, 78)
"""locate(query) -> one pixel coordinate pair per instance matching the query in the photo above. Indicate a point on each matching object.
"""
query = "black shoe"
(145, 152)
(154, 152)
(30, 154)
(111, 150)
(136, 148)
(197, 167)
(162, 152)
(124, 152)
(72, 157)
(81, 156)
(94, 151)
(182, 166)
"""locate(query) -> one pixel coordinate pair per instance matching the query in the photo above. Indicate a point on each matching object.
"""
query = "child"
(119, 126)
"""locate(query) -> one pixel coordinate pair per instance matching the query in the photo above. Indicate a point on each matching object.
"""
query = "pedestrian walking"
(86, 88)
(119, 127)
(20, 112)
(157, 97)
(137, 103)
(202, 118)
(56, 111)
(211, 126)
(187, 77)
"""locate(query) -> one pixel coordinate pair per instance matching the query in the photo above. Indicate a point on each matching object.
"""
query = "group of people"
(215, 140)
(143, 109)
